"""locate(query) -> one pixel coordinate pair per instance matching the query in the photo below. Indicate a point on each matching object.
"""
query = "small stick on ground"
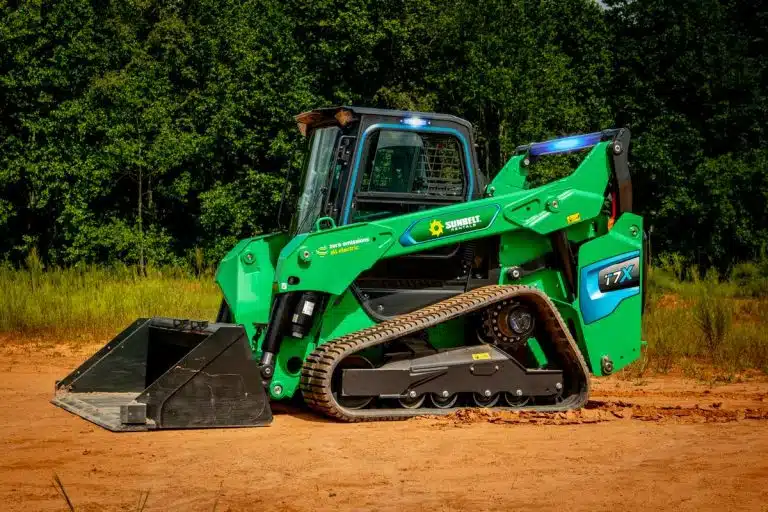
(59, 486)
(143, 497)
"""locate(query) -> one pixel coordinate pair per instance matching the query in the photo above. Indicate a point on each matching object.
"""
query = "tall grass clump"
(712, 313)
(711, 320)
(98, 300)
(668, 319)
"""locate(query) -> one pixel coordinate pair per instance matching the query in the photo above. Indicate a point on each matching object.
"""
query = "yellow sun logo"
(436, 228)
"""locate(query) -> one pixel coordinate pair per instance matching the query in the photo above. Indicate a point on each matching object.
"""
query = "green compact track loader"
(408, 283)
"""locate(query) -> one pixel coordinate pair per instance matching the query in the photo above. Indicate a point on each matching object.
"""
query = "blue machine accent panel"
(598, 296)
(406, 239)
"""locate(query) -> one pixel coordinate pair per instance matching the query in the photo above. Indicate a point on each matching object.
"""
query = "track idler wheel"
(350, 402)
(509, 323)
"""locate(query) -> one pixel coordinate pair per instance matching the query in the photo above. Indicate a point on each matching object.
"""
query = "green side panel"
(518, 247)
(330, 260)
(549, 281)
(617, 335)
(511, 177)
(342, 316)
(447, 334)
(245, 277)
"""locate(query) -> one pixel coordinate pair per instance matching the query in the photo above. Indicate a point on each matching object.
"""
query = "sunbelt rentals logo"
(437, 228)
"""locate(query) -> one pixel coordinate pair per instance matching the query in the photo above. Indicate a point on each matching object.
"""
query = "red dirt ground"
(668, 444)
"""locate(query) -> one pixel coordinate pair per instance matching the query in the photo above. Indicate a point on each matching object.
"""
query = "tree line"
(149, 131)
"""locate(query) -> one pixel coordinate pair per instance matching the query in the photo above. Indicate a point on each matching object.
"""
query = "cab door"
(401, 171)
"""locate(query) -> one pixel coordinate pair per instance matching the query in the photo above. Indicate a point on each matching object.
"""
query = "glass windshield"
(315, 178)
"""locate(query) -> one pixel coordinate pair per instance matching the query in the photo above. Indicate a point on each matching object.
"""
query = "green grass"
(695, 322)
(95, 302)
(691, 322)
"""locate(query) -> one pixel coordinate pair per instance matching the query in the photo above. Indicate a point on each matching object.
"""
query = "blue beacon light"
(565, 144)
(415, 122)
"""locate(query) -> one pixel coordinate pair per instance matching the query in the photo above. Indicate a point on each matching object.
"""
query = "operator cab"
(366, 165)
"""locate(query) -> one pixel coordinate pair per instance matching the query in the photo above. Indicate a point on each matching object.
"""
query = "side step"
(166, 373)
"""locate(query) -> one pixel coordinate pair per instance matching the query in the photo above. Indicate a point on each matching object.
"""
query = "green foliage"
(690, 82)
(120, 122)
(751, 278)
(140, 130)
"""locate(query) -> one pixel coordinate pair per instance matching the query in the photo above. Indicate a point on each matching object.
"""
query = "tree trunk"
(150, 204)
(142, 269)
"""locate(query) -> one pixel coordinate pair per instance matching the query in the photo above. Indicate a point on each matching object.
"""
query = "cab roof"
(343, 114)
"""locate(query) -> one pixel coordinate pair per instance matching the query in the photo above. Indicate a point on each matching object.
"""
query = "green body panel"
(246, 276)
(343, 315)
(518, 247)
(547, 280)
(618, 334)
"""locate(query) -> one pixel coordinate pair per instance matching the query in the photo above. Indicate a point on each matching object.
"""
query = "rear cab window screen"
(405, 171)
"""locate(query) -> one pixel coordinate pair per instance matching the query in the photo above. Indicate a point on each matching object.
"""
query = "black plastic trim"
(620, 150)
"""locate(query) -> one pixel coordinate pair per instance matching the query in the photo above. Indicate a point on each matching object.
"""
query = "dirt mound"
(597, 411)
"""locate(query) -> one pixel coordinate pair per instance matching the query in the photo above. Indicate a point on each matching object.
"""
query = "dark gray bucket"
(166, 373)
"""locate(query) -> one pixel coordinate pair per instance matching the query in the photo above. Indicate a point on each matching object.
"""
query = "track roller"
(412, 401)
(444, 400)
(515, 400)
(481, 400)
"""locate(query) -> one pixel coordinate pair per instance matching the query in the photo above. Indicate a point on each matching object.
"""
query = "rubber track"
(318, 367)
